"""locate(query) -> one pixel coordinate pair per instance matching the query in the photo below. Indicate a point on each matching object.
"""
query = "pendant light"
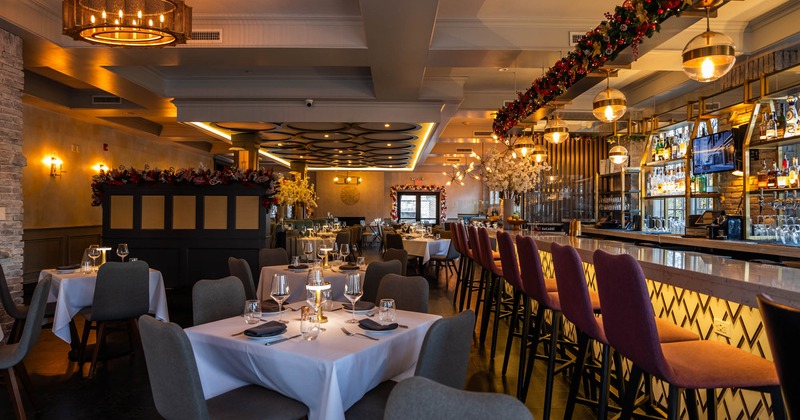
(618, 154)
(539, 153)
(708, 56)
(610, 104)
(556, 130)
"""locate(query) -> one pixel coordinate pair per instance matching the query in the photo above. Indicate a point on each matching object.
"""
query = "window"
(418, 207)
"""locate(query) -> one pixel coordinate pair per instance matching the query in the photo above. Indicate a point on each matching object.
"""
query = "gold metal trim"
(609, 102)
(710, 50)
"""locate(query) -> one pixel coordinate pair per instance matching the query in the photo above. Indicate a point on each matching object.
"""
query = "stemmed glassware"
(353, 292)
(122, 251)
(279, 293)
(94, 254)
(308, 249)
(344, 250)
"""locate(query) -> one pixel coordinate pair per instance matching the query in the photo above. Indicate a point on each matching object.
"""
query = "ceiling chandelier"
(347, 179)
(556, 130)
(457, 174)
(708, 56)
(610, 104)
(128, 23)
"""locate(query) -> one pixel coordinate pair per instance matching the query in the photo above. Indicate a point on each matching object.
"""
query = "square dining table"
(74, 291)
(423, 248)
(329, 374)
(298, 279)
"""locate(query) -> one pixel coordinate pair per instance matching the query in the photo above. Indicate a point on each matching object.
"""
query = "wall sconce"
(347, 179)
(56, 165)
(100, 167)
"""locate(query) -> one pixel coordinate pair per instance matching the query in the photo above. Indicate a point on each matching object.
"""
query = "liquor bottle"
(780, 128)
(793, 173)
(668, 148)
(682, 145)
(674, 148)
(660, 149)
(791, 118)
(771, 131)
(762, 128)
(772, 176)
(653, 146)
(783, 173)
(762, 175)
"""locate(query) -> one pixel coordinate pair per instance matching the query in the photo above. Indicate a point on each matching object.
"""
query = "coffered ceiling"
(435, 71)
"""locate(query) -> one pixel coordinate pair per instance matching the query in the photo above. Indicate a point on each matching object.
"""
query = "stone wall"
(11, 163)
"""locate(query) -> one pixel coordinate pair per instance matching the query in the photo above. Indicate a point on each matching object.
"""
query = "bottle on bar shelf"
(772, 176)
(762, 175)
(771, 127)
(762, 127)
(659, 149)
(791, 118)
(783, 173)
(793, 173)
(780, 128)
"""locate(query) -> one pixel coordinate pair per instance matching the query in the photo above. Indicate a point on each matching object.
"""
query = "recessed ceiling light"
(280, 144)
(340, 151)
(327, 135)
(388, 144)
(390, 157)
(387, 125)
(503, 69)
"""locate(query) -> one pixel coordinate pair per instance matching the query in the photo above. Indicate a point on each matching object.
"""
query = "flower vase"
(508, 210)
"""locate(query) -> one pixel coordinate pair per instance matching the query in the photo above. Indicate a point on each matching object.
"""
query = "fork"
(348, 333)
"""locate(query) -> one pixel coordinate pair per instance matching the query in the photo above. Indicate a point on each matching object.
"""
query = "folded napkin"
(371, 325)
(69, 267)
(298, 267)
(360, 306)
(269, 306)
(348, 267)
(266, 330)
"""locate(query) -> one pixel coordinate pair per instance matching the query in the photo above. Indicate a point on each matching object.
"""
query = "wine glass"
(279, 293)
(353, 292)
(344, 250)
(308, 249)
(94, 253)
(335, 251)
(122, 251)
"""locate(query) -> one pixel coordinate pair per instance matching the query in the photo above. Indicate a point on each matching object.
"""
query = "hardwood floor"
(121, 389)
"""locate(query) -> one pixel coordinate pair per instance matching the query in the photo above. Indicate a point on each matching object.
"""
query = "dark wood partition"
(186, 232)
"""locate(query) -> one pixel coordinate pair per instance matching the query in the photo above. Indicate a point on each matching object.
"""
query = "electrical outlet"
(722, 327)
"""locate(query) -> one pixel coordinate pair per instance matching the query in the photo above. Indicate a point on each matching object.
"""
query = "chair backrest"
(628, 317)
(375, 272)
(399, 255)
(240, 268)
(394, 241)
(530, 267)
(462, 239)
(508, 257)
(782, 324)
(122, 291)
(14, 353)
(485, 248)
(9, 305)
(573, 292)
(444, 354)
(213, 300)
(452, 252)
(272, 256)
(355, 235)
(343, 237)
(409, 293)
(455, 240)
(472, 238)
(419, 398)
(174, 380)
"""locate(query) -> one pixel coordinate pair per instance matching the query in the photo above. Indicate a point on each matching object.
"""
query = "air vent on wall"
(106, 100)
(463, 150)
(710, 106)
(206, 37)
(453, 160)
(481, 134)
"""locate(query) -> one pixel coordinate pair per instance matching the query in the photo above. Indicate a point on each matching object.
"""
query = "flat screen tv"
(714, 153)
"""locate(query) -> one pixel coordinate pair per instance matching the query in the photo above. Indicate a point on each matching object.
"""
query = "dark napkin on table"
(266, 330)
(298, 267)
(69, 267)
(269, 306)
(360, 306)
(369, 324)
(348, 267)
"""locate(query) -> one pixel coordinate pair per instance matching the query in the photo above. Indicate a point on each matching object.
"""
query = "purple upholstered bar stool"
(463, 261)
(630, 327)
(576, 305)
(494, 288)
(472, 239)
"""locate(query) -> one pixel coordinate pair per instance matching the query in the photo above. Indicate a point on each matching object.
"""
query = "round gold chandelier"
(708, 56)
(128, 23)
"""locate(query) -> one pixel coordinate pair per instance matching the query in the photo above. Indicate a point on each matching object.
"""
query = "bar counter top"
(725, 278)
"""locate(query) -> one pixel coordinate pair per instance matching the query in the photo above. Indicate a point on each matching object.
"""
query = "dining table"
(423, 247)
(328, 374)
(73, 290)
(298, 278)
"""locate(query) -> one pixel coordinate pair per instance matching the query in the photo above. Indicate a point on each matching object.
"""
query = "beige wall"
(66, 200)
(374, 200)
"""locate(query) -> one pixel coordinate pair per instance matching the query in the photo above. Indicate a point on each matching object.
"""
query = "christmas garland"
(629, 24)
(262, 178)
(410, 187)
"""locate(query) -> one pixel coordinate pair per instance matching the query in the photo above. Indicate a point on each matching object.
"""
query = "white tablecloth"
(423, 247)
(298, 280)
(329, 374)
(75, 291)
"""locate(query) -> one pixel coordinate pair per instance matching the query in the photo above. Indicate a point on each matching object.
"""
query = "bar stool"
(629, 325)
(782, 324)
(456, 241)
(576, 305)
(472, 239)
(493, 290)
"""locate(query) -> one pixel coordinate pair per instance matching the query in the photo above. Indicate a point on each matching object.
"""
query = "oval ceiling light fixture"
(710, 55)
(610, 104)
(618, 154)
(556, 130)
(539, 153)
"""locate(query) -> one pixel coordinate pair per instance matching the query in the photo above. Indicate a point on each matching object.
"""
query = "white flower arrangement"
(511, 175)
(297, 191)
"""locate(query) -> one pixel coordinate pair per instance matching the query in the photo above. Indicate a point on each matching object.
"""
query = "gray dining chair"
(178, 393)
(420, 398)
(213, 300)
(121, 293)
(446, 258)
(376, 270)
(409, 293)
(399, 255)
(239, 267)
(272, 256)
(443, 357)
(12, 355)
(20, 312)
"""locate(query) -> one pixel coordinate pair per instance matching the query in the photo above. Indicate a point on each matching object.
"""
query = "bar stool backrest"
(508, 257)
(530, 267)
(782, 324)
(573, 293)
(475, 245)
(485, 244)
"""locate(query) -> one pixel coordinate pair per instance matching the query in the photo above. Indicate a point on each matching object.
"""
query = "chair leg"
(488, 305)
(101, 338)
(551, 364)
(524, 351)
(87, 326)
(575, 383)
(691, 404)
(602, 399)
(512, 328)
(480, 294)
(466, 287)
(16, 396)
(524, 374)
(496, 324)
(630, 393)
(778, 407)
(673, 401)
(25, 380)
(458, 281)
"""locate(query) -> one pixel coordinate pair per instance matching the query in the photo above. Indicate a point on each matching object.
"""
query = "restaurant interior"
(646, 149)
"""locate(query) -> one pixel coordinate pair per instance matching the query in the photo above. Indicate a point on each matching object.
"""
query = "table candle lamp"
(103, 258)
(317, 285)
(325, 257)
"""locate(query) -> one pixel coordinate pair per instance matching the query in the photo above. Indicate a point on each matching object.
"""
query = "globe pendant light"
(618, 155)
(539, 153)
(708, 56)
(556, 130)
(610, 104)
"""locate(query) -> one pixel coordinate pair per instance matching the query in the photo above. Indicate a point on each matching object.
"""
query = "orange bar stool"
(630, 327)
(577, 307)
